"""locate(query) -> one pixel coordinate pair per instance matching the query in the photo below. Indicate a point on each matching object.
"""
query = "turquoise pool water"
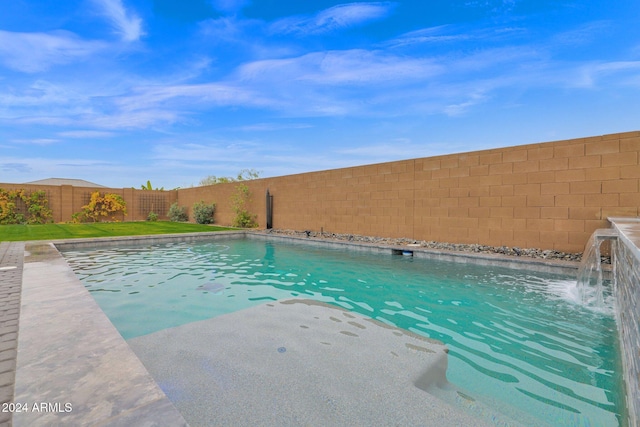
(516, 339)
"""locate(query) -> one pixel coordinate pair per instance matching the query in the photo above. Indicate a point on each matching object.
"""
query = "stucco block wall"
(549, 195)
(220, 194)
(66, 200)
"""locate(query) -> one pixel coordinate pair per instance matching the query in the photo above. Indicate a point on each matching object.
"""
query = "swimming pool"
(515, 338)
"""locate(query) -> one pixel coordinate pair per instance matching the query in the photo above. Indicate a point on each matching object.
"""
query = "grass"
(16, 233)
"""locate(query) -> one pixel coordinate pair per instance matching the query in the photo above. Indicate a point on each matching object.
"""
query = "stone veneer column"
(627, 272)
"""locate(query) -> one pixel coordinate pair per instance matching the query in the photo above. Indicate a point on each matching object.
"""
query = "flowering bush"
(101, 206)
(37, 207)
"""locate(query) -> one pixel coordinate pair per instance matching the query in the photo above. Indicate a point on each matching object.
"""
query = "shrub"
(203, 213)
(8, 211)
(177, 213)
(152, 216)
(243, 218)
(38, 207)
(101, 205)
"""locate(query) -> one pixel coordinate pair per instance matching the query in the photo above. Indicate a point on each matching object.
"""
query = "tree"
(243, 175)
(248, 174)
(148, 186)
(212, 180)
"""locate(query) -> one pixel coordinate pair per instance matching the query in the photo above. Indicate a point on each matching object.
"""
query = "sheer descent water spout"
(591, 289)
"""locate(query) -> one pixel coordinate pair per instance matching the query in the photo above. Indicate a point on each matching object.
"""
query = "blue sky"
(123, 91)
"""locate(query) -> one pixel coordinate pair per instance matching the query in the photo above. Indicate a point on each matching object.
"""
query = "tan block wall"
(550, 195)
(220, 194)
(66, 200)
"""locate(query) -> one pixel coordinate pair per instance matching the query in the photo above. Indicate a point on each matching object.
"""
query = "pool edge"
(497, 260)
(98, 379)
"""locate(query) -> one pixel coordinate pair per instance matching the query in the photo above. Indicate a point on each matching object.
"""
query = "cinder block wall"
(66, 200)
(221, 194)
(550, 195)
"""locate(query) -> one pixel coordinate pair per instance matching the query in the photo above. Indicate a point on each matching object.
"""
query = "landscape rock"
(477, 248)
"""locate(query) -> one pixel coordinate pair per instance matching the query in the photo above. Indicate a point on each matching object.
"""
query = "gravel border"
(459, 247)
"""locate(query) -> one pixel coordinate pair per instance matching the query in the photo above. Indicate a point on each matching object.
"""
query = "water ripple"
(514, 336)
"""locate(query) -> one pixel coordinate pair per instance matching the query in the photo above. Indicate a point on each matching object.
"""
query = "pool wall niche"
(627, 293)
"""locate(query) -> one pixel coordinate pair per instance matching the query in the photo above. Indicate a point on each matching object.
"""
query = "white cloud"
(15, 167)
(129, 120)
(227, 157)
(218, 151)
(36, 52)
(140, 107)
(582, 35)
(31, 168)
(340, 67)
(146, 119)
(462, 107)
(36, 119)
(229, 6)
(428, 35)
(127, 24)
(85, 134)
(39, 93)
(624, 72)
(333, 19)
(354, 82)
(225, 29)
(36, 141)
(268, 127)
(400, 148)
(177, 96)
(459, 38)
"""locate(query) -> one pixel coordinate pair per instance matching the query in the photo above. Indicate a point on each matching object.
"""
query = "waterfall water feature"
(592, 288)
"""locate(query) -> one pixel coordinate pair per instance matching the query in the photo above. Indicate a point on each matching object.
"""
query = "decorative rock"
(504, 250)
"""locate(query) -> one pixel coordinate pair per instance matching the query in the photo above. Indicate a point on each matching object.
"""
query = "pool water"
(516, 338)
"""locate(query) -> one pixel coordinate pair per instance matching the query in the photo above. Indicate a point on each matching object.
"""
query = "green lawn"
(14, 233)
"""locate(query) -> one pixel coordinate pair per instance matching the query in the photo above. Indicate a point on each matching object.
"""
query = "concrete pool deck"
(73, 360)
(77, 357)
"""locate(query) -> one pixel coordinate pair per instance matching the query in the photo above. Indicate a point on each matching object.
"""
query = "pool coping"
(74, 368)
(497, 260)
(134, 407)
